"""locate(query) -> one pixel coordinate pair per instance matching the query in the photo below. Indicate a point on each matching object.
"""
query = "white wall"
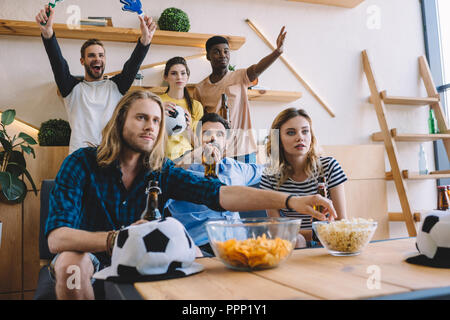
(323, 43)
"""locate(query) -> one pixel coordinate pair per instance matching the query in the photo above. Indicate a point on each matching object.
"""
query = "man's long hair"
(112, 138)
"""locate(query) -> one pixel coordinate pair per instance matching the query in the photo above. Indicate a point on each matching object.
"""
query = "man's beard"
(92, 75)
(132, 146)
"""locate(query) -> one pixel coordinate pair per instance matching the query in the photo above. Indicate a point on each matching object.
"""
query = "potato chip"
(254, 253)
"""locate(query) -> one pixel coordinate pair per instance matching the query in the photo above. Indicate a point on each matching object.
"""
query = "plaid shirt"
(92, 198)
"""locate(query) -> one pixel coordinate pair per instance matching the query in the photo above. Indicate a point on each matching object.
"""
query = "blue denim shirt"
(194, 216)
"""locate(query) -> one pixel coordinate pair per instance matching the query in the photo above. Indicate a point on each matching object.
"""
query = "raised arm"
(46, 23)
(254, 71)
(125, 79)
(64, 80)
(238, 198)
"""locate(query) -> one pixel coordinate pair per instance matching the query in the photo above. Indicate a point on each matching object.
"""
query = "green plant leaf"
(28, 150)
(8, 116)
(6, 144)
(4, 179)
(28, 175)
(16, 163)
(27, 138)
(24, 194)
(12, 187)
(15, 168)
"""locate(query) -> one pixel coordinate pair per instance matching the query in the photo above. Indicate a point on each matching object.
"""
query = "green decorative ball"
(174, 19)
(54, 132)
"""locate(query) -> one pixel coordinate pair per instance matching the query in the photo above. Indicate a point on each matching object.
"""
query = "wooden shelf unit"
(390, 136)
(336, 3)
(410, 137)
(407, 101)
(406, 174)
(185, 39)
(253, 95)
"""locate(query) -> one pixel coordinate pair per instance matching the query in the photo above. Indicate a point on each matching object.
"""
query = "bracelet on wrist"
(287, 202)
(110, 240)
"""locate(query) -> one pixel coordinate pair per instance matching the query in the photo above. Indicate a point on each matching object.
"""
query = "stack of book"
(97, 21)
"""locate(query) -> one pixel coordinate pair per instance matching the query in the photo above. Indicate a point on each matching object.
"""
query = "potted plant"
(12, 161)
(54, 132)
(174, 19)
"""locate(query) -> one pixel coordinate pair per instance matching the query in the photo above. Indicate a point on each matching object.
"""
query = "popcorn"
(347, 235)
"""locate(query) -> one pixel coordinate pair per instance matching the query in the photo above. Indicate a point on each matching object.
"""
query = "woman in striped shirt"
(296, 166)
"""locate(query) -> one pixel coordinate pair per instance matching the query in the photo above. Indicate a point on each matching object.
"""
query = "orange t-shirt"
(234, 85)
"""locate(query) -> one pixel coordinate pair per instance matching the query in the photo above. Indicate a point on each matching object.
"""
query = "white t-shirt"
(89, 107)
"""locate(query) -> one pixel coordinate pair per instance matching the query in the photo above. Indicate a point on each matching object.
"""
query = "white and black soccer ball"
(176, 121)
(156, 248)
(433, 238)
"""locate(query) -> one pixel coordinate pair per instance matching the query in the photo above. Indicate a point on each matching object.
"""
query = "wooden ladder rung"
(440, 172)
(411, 137)
(445, 174)
(398, 216)
(407, 101)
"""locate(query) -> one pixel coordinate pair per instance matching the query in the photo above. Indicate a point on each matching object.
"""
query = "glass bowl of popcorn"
(253, 243)
(346, 237)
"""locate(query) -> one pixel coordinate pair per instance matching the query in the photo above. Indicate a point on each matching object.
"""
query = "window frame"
(430, 18)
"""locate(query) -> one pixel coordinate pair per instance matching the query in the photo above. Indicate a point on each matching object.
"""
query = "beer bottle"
(151, 211)
(448, 195)
(443, 199)
(225, 107)
(209, 163)
(432, 123)
(322, 190)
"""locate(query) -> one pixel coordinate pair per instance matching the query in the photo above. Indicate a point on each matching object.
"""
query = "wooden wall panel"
(46, 164)
(359, 161)
(367, 199)
(28, 295)
(31, 220)
(11, 248)
(10, 296)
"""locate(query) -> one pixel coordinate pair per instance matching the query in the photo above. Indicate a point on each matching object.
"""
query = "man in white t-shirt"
(90, 102)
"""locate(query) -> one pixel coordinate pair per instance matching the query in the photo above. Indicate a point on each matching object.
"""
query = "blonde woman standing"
(296, 166)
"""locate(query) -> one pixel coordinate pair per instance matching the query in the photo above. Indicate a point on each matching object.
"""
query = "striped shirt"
(331, 171)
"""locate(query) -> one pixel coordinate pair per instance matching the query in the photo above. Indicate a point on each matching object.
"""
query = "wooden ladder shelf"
(391, 136)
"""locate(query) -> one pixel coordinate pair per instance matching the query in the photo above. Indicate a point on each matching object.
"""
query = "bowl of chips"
(253, 243)
(345, 237)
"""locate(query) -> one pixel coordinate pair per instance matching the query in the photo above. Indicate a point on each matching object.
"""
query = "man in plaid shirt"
(101, 189)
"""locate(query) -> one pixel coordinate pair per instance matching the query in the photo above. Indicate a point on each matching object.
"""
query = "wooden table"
(309, 274)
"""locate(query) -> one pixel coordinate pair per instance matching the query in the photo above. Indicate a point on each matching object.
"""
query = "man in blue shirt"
(99, 190)
(213, 133)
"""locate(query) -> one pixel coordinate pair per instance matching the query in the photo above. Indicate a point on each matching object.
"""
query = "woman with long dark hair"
(176, 74)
